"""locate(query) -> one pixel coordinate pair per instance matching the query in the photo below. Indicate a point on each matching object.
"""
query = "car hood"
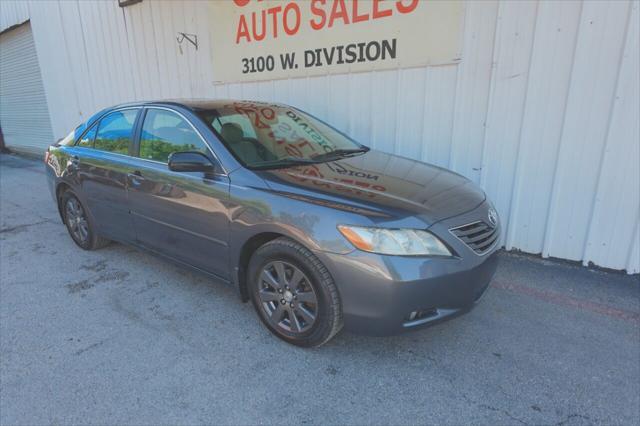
(381, 186)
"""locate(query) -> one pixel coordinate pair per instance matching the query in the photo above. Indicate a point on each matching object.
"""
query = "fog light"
(421, 314)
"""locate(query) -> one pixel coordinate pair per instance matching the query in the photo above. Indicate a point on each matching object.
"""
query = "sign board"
(268, 39)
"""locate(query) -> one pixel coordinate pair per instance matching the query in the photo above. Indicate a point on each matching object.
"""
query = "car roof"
(193, 104)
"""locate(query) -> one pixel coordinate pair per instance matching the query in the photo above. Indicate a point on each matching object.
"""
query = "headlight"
(399, 242)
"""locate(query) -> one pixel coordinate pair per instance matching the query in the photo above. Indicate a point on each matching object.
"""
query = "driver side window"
(165, 132)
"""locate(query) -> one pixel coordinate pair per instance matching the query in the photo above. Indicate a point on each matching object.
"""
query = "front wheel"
(294, 294)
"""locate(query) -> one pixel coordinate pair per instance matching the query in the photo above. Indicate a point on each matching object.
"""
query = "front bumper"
(385, 295)
(379, 293)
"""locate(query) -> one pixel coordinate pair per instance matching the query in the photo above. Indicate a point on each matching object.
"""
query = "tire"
(312, 291)
(83, 230)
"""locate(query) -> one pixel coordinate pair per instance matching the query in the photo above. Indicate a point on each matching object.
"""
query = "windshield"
(263, 135)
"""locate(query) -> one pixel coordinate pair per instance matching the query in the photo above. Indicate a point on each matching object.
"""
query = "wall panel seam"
(554, 184)
(495, 53)
(612, 109)
(515, 196)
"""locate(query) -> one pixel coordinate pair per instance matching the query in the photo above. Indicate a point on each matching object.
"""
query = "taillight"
(47, 154)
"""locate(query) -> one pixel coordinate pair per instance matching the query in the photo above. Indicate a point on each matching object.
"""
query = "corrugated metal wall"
(542, 111)
(13, 13)
(23, 106)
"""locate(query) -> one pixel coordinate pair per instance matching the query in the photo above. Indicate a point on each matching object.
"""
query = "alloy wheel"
(287, 297)
(77, 220)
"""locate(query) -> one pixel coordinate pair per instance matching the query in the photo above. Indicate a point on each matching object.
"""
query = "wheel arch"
(250, 238)
(60, 188)
(246, 251)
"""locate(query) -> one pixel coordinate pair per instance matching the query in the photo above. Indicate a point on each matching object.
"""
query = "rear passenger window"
(165, 132)
(115, 131)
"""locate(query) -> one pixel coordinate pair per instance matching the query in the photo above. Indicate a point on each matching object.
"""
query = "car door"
(180, 214)
(102, 163)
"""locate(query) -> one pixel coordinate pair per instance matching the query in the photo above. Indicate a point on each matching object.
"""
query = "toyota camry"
(318, 231)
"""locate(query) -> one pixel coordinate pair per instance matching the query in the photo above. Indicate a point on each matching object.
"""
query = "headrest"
(231, 132)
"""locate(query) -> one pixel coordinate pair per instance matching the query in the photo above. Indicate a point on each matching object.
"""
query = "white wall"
(13, 13)
(542, 111)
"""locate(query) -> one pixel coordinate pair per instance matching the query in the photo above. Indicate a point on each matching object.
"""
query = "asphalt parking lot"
(118, 336)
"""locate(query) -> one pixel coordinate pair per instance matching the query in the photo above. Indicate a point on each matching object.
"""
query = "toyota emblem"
(493, 217)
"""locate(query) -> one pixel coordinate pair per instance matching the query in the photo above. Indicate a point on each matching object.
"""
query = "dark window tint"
(115, 130)
(165, 132)
(87, 139)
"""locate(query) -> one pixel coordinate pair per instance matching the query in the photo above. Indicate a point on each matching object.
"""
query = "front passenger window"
(165, 132)
(87, 139)
(115, 130)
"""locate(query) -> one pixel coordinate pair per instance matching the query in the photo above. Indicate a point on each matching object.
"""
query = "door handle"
(136, 178)
(75, 160)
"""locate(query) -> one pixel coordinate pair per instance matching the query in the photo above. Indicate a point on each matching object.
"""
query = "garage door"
(24, 116)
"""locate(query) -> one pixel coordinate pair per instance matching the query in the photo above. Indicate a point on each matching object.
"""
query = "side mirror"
(190, 162)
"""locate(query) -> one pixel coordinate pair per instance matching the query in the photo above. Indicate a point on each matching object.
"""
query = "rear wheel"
(294, 294)
(79, 223)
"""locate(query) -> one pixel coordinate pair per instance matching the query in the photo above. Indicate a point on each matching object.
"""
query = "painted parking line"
(564, 300)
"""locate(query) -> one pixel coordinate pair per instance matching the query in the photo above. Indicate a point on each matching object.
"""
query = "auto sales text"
(285, 18)
(350, 53)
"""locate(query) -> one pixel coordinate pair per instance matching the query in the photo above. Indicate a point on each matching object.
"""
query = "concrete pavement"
(118, 336)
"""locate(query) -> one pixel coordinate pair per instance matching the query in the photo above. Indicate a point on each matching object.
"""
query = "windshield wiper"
(340, 153)
(299, 161)
(283, 162)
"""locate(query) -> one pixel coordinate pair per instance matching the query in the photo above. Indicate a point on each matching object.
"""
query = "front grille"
(479, 236)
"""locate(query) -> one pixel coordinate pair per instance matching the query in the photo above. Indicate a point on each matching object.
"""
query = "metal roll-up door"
(24, 115)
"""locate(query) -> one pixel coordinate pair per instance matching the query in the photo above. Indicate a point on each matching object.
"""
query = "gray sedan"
(318, 231)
